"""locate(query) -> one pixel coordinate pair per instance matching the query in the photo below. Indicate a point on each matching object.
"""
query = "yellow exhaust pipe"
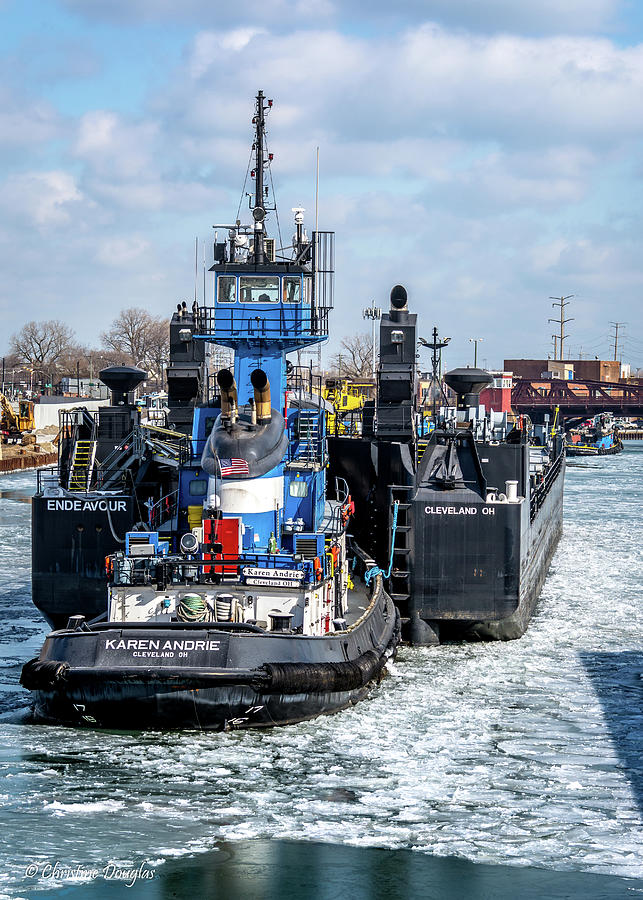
(228, 388)
(261, 385)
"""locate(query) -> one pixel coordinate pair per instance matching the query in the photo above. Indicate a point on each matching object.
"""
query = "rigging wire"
(245, 181)
(274, 196)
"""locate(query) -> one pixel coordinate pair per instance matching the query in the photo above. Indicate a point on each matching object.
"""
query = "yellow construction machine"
(347, 398)
(14, 424)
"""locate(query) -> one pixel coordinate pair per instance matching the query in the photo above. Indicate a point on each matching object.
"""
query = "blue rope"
(375, 570)
(370, 574)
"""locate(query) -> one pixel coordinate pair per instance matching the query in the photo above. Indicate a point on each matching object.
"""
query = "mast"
(259, 212)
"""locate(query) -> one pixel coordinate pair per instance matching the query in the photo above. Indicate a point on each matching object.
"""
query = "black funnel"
(399, 304)
(399, 297)
(467, 383)
(121, 380)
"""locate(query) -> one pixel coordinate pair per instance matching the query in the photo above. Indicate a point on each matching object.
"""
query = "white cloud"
(122, 251)
(110, 145)
(25, 123)
(527, 16)
(473, 168)
(42, 198)
(211, 45)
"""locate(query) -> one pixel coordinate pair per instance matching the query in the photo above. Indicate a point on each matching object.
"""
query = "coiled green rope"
(192, 608)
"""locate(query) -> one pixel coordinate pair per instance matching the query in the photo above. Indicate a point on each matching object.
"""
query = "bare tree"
(140, 339)
(42, 345)
(355, 358)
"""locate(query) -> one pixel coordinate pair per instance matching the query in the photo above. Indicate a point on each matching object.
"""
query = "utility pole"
(555, 337)
(373, 313)
(616, 326)
(475, 342)
(562, 302)
(436, 346)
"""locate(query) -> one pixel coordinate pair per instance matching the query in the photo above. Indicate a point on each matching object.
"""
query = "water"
(524, 753)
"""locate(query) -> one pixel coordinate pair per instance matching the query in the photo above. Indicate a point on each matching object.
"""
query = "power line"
(616, 326)
(561, 302)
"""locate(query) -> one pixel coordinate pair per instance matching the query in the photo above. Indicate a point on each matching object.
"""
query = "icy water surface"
(525, 753)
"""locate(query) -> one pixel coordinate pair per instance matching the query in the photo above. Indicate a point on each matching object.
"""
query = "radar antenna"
(259, 211)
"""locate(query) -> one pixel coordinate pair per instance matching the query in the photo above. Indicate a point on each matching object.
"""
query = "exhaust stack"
(261, 385)
(226, 382)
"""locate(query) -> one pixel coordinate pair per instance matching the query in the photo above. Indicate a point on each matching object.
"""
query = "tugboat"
(238, 600)
(597, 437)
(464, 523)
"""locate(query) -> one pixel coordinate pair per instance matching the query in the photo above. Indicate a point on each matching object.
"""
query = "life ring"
(109, 565)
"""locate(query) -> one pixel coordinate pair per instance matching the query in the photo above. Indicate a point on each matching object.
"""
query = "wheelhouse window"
(292, 289)
(226, 288)
(258, 289)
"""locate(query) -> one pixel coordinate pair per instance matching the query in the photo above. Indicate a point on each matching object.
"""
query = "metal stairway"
(400, 578)
(82, 465)
(308, 448)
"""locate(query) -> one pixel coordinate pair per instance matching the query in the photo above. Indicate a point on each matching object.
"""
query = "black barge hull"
(70, 538)
(211, 677)
(461, 567)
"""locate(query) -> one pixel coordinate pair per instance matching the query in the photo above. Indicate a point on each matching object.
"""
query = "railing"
(222, 566)
(539, 494)
(164, 510)
(345, 424)
(169, 445)
(300, 323)
(324, 272)
(302, 380)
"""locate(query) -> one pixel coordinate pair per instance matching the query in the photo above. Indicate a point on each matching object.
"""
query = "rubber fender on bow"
(39, 675)
(316, 678)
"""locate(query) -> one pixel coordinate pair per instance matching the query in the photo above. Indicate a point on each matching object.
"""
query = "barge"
(463, 516)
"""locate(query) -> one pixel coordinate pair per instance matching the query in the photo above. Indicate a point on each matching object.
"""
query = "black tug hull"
(207, 677)
(594, 451)
(136, 706)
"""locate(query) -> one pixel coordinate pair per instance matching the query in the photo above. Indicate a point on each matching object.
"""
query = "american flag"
(233, 467)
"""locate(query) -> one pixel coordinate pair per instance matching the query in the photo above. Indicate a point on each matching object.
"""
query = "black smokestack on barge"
(116, 422)
(467, 384)
(121, 381)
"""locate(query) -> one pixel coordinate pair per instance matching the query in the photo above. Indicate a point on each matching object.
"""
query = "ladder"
(308, 446)
(82, 465)
(400, 543)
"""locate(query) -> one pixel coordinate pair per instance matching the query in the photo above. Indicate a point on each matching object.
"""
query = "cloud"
(111, 145)
(26, 123)
(543, 17)
(277, 13)
(486, 171)
(122, 252)
(41, 198)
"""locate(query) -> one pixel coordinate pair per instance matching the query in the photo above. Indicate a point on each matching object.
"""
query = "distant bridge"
(535, 397)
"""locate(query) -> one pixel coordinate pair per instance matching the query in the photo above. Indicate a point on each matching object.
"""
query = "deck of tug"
(358, 602)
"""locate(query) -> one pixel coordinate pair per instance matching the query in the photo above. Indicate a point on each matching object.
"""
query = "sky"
(485, 155)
